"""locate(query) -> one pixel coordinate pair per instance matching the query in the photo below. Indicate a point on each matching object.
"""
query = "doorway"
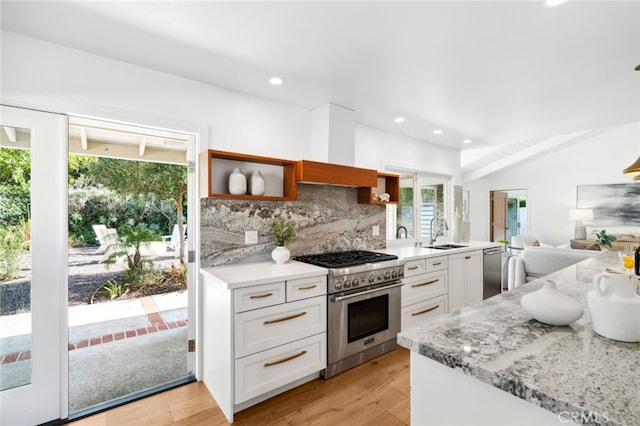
(508, 214)
(130, 205)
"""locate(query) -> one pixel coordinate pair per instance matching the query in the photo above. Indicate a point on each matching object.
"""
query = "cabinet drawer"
(265, 328)
(304, 288)
(436, 263)
(418, 289)
(259, 296)
(418, 313)
(415, 267)
(268, 370)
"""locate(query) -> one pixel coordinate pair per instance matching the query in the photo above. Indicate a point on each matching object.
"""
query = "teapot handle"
(597, 281)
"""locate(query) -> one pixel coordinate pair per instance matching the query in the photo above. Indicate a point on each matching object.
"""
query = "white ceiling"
(509, 75)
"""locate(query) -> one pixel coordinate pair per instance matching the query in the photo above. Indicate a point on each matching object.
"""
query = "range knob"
(355, 282)
(347, 284)
(372, 278)
(379, 277)
(400, 273)
(387, 275)
(338, 285)
(394, 274)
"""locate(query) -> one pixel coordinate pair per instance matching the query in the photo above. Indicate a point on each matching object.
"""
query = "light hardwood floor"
(374, 393)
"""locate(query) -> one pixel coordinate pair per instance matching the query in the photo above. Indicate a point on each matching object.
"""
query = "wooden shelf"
(334, 174)
(386, 182)
(216, 166)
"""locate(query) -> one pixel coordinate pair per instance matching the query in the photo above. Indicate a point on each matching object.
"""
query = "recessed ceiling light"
(467, 141)
(555, 2)
(399, 119)
(276, 81)
(437, 131)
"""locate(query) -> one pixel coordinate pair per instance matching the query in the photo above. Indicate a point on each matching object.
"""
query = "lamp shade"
(580, 214)
(633, 169)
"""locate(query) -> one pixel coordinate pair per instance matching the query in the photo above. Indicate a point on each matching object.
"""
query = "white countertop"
(248, 274)
(409, 252)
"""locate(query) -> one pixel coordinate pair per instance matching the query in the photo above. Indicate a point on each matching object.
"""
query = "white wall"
(377, 149)
(55, 78)
(551, 180)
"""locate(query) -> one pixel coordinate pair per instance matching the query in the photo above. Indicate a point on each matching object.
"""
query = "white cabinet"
(263, 339)
(424, 293)
(465, 279)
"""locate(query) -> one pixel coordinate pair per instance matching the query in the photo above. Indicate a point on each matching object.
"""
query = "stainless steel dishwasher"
(492, 272)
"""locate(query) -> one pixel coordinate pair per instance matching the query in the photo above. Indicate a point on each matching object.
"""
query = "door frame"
(47, 393)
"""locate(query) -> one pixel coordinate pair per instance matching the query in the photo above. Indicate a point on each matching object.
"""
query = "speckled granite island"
(492, 364)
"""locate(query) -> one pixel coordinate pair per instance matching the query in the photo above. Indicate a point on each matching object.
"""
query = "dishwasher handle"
(492, 251)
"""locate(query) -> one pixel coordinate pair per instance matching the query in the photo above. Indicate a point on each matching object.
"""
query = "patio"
(115, 348)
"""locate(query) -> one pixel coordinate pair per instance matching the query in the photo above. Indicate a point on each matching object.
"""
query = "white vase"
(551, 306)
(257, 183)
(237, 183)
(281, 255)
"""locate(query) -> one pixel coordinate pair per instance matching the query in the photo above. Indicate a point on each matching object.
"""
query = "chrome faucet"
(400, 228)
(432, 239)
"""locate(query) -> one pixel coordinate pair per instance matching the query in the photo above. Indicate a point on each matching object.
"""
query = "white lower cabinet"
(420, 312)
(261, 340)
(265, 371)
(424, 293)
(465, 279)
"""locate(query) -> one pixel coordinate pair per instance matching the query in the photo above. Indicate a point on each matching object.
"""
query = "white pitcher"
(615, 307)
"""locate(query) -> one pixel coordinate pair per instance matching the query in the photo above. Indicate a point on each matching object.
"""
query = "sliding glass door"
(33, 281)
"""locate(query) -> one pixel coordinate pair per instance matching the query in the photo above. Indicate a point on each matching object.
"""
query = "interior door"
(38, 394)
(498, 216)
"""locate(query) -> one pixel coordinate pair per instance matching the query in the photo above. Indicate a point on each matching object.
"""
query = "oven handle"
(350, 296)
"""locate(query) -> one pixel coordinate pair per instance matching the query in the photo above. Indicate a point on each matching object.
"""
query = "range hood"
(335, 174)
(332, 150)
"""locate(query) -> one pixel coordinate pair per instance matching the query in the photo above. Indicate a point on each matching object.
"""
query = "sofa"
(535, 262)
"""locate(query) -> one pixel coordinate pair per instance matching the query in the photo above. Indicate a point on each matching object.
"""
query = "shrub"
(12, 245)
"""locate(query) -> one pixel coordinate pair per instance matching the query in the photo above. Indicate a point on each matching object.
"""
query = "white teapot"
(614, 307)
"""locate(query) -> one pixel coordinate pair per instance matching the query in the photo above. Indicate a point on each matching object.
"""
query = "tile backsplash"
(328, 219)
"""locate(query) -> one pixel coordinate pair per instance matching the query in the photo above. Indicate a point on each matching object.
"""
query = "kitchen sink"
(445, 246)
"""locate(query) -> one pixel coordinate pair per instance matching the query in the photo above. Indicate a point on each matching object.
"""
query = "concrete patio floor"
(115, 348)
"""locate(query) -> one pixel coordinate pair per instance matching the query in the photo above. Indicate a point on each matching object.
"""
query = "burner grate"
(345, 259)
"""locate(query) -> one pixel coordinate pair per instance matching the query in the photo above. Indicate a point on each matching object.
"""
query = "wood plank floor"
(374, 393)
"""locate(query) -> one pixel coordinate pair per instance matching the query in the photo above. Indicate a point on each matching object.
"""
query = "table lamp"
(580, 231)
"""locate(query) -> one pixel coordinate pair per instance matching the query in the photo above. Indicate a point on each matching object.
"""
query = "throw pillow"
(584, 245)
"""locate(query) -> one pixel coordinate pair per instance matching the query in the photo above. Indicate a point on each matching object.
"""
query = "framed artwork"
(615, 204)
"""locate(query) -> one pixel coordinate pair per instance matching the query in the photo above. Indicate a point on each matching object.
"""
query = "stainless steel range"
(363, 305)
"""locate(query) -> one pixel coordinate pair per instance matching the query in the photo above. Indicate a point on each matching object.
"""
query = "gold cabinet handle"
(308, 287)
(260, 296)
(411, 268)
(280, 361)
(290, 317)
(427, 283)
(425, 311)
(437, 264)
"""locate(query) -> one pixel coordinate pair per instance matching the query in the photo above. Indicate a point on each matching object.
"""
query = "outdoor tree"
(168, 181)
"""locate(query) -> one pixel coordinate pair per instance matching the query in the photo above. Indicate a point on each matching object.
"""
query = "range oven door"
(359, 321)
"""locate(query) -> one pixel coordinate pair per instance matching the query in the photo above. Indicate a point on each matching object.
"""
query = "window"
(422, 196)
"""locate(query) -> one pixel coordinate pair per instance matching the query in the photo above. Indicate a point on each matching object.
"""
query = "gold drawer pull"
(436, 264)
(289, 358)
(290, 317)
(260, 296)
(425, 311)
(427, 283)
(411, 268)
(308, 287)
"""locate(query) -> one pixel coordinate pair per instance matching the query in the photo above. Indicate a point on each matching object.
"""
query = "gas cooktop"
(343, 259)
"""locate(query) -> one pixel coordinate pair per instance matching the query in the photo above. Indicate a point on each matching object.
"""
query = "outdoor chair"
(173, 240)
(105, 236)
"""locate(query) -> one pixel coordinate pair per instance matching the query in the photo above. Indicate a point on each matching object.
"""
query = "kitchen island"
(491, 363)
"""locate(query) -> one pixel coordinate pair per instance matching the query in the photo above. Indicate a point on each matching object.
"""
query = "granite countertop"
(248, 274)
(568, 368)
